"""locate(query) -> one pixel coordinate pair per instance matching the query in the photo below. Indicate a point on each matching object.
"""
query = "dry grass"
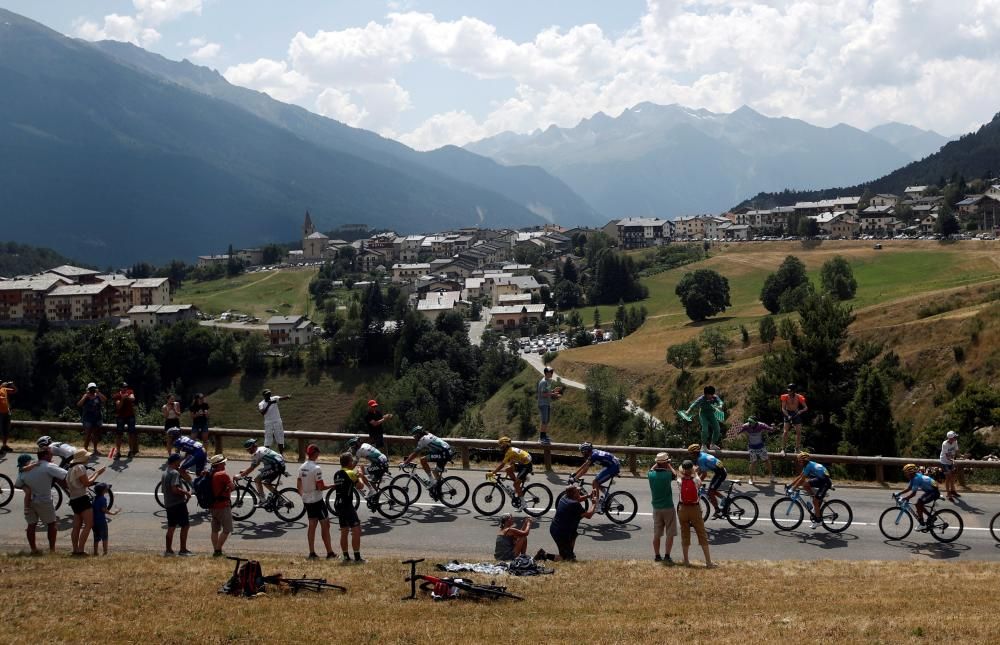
(144, 598)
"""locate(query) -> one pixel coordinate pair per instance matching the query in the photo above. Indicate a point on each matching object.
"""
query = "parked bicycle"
(286, 503)
(450, 491)
(619, 507)
(739, 510)
(489, 497)
(788, 512)
(388, 501)
(896, 522)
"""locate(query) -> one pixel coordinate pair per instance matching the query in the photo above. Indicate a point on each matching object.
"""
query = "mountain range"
(669, 160)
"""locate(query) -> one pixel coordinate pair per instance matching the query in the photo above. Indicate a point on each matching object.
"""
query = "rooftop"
(72, 272)
(283, 320)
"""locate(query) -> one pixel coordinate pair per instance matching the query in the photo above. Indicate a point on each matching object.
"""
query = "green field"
(22, 334)
(284, 292)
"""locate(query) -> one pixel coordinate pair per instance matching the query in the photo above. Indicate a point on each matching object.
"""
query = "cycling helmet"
(416, 431)
(804, 456)
(792, 387)
(353, 441)
(586, 447)
(44, 442)
(910, 468)
(173, 433)
(694, 448)
(249, 443)
(504, 441)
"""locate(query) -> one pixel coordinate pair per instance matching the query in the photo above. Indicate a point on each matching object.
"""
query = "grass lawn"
(19, 334)
(835, 602)
(285, 292)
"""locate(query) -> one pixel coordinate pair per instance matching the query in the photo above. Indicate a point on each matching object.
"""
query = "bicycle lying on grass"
(449, 588)
(488, 498)
(619, 507)
(295, 585)
(787, 513)
(739, 510)
(897, 521)
(286, 503)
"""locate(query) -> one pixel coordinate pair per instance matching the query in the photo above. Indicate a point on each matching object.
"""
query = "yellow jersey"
(516, 456)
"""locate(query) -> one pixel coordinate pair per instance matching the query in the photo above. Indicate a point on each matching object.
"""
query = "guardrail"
(466, 446)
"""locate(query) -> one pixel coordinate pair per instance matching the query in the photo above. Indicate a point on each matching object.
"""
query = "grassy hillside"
(285, 292)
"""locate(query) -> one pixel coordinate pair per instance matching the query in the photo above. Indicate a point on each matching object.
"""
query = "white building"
(290, 330)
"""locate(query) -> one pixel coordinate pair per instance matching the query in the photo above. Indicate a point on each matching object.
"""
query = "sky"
(437, 72)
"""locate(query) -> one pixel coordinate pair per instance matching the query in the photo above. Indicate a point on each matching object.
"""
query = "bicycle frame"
(504, 482)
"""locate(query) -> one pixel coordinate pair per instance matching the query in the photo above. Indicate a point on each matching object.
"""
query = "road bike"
(450, 588)
(897, 521)
(788, 512)
(286, 503)
(489, 497)
(6, 490)
(450, 491)
(388, 501)
(58, 493)
(739, 510)
(995, 527)
(315, 585)
(619, 507)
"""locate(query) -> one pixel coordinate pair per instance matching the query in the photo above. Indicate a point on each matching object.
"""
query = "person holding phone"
(91, 406)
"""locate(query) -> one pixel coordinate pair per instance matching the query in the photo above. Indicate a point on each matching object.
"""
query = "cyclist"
(195, 457)
(609, 463)
(815, 480)
(63, 451)
(272, 466)
(378, 464)
(706, 463)
(920, 483)
(430, 448)
(793, 406)
(518, 463)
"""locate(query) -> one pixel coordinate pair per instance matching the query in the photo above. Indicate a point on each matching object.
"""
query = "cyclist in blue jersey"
(920, 483)
(815, 480)
(610, 466)
(707, 463)
(196, 459)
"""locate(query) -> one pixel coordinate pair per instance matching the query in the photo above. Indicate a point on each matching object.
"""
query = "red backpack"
(689, 491)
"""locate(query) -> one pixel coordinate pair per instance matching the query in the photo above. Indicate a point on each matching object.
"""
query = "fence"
(466, 446)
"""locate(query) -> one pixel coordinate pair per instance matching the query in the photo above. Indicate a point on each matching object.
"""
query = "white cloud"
(156, 12)
(116, 27)
(270, 76)
(205, 52)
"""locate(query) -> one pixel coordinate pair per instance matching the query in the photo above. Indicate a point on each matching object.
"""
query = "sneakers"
(657, 558)
(331, 556)
(184, 552)
(166, 554)
(814, 525)
(312, 556)
(358, 559)
(346, 559)
(668, 561)
(750, 481)
(217, 553)
(544, 440)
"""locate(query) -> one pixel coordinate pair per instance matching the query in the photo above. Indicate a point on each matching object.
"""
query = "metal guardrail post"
(465, 457)
(633, 461)
(879, 474)
(302, 448)
(218, 443)
(547, 458)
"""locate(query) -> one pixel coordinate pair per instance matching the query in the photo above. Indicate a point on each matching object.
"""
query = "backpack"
(251, 579)
(689, 491)
(203, 492)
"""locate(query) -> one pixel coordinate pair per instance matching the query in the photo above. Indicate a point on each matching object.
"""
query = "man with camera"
(91, 406)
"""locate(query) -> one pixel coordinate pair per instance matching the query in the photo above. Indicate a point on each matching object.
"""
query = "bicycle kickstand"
(412, 579)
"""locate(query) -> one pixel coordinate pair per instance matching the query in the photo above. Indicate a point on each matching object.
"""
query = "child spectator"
(101, 512)
(689, 514)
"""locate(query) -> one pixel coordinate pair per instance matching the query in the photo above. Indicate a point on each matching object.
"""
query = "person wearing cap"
(511, 541)
(793, 406)
(518, 465)
(547, 393)
(689, 514)
(919, 483)
(375, 420)
(77, 482)
(660, 476)
(565, 525)
(124, 402)
(274, 430)
(101, 512)
(815, 480)
(345, 481)
(310, 485)
(222, 508)
(91, 406)
(949, 452)
(24, 465)
(756, 447)
(6, 389)
(199, 418)
(175, 499)
(38, 481)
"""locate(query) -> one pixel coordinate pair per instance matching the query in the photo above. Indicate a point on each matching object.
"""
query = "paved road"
(435, 531)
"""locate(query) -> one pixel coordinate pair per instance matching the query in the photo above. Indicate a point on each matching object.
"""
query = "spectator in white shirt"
(949, 452)
(311, 487)
(274, 430)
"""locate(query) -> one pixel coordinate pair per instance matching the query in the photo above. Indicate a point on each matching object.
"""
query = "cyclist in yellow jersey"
(518, 464)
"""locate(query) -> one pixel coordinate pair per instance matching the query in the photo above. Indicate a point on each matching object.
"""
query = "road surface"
(433, 531)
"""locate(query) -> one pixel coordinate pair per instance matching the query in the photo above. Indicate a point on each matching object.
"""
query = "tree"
(703, 293)
(808, 227)
(717, 342)
(868, 424)
(684, 355)
(252, 355)
(790, 275)
(606, 399)
(620, 324)
(767, 330)
(946, 224)
(837, 278)
(615, 277)
(567, 295)
(597, 318)
(569, 271)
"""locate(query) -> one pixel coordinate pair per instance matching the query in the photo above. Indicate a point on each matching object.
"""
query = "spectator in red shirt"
(124, 400)
(222, 510)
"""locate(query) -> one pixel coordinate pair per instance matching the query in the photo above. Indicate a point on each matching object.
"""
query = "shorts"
(377, 470)
(929, 496)
(199, 424)
(274, 432)
(92, 424)
(607, 473)
(689, 517)
(820, 485)
(171, 423)
(757, 454)
(347, 515)
(947, 468)
(794, 418)
(81, 504)
(440, 459)
(123, 423)
(546, 412)
(268, 475)
(4, 426)
(718, 477)
(177, 515)
(222, 520)
(664, 522)
(521, 471)
(317, 510)
(40, 512)
(565, 547)
(197, 462)
(100, 532)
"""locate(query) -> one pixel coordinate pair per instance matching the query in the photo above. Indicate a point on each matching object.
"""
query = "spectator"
(547, 393)
(375, 420)
(661, 477)
(756, 447)
(24, 465)
(199, 418)
(175, 500)
(689, 514)
(345, 481)
(222, 510)
(77, 482)
(91, 405)
(101, 512)
(949, 452)
(311, 487)
(38, 481)
(566, 523)
(124, 400)
(171, 417)
(6, 389)
(511, 541)
(274, 430)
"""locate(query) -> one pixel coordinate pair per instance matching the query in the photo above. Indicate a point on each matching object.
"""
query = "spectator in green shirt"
(661, 477)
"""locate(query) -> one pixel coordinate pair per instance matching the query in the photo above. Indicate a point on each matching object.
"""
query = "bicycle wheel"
(620, 507)
(585, 501)
(454, 492)
(946, 525)
(787, 514)
(244, 502)
(742, 511)
(57, 497)
(410, 484)
(489, 591)
(706, 508)
(6, 490)
(488, 498)
(111, 496)
(895, 523)
(158, 492)
(836, 516)
(537, 500)
(391, 502)
(995, 527)
(288, 505)
(331, 498)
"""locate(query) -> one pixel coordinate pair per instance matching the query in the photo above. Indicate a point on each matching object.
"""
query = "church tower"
(307, 227)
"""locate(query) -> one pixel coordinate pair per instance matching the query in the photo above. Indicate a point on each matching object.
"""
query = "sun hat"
(662, 458)
(952, 434)
(23, 460)
(81, 456)
(217, 459)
